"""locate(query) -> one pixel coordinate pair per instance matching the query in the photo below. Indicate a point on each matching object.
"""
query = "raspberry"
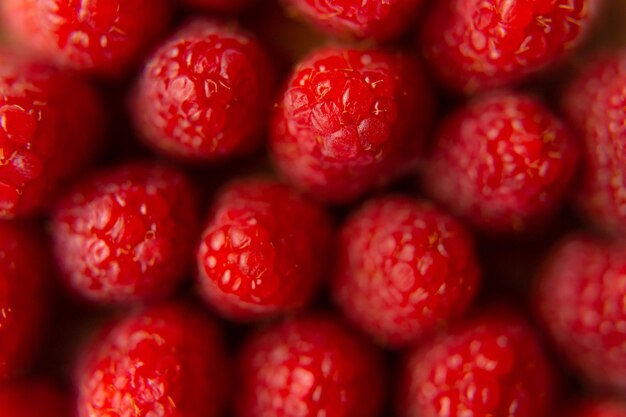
(404, 268)
(310, 366)
(165, 361)
(504, 162)
(479, 44)
(264, 250)
(580, 298)
(599, 408)
(50, 125)
(204, 94)
(33, 399)
(349, 120)
(219, 6)
(99, 36)
(378, 20)
(490, 365)
(126, 234)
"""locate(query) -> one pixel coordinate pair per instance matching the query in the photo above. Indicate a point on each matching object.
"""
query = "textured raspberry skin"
(598, 408)
(489, 365)
(504, 163)
(219, 6)
(579, 298)
(126, 234)
(166, 361)
(348, 120)
(480, 44)
(33, 399)
(51, 127)
(404, 268)
(311, 366)
(205, 93)
(100, 36)
(370, 19)
(263, 251)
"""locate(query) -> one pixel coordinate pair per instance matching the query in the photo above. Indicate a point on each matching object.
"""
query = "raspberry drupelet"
(50, 127)
(480, 44)
(504, 163)
(166, 361)
(105, 37)
(33, 398)
(349, 120)
(126, 234)
(492, 364)
(597, 408)
(264, 251)
(308, 367)
(404, 268)
(219, 6)
(205, 93)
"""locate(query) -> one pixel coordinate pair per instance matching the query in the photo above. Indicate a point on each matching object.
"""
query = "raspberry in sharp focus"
(126, 234)
(33, 399)
(350, 120)
(309, 367)
(404, 268)
(219, 6)
(205, 93)
(505, 163)
(264, 250)
(489, 365)
(166, 361)
(479, 44)
(597, 408)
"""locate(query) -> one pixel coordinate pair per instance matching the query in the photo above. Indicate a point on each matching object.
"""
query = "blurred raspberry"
(219, 6)
(33, 399)
(598, 408)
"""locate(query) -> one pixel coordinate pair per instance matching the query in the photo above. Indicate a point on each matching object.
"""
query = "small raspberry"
(310, 366)
(504, 162)
(126, 234)
(350, 120)
(219, 6)
(205, 93)
(404, 267)
(264, 250)
(166, 361)
(490, 365)
(33, 399)
(50, 125)
(479, 44)
(598, 408)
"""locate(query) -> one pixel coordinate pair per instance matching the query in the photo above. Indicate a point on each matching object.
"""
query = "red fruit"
(126, 234)
(600, 408)
(263, 251)
(50, 126)
(219, 6)
(349, 120)
(504, 162)
(99, 36)
(490, 365)
(309, 367)
(404, 268)
(480, 44)
(205, 93)
(33, 399)
(166, 361)
(580, 298)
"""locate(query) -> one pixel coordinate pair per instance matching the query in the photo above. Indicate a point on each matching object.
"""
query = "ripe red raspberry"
(378, 20)
(479, 44)
(350, 120)
(311, 366)
(404, 267)
(100, 36)
(126, 234)
(50, 125)
(263, 251)
(33, 399)
(598, 408)
(205, 93)
(166, 361)
(219, 6)
(504, 162)
(490, 365)
(580, 298)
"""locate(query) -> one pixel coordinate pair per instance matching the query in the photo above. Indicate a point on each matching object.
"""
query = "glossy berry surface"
(349, 120)
(404, 267)
(598, 408)
(264, 251)
(476, 44)
(489, 365)
(33, 399)
(309, 366)
(219, 6)
(166, 361)
(205, 93)
(50, 125)
(504, 163)
(99, 36)
(126, 234)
